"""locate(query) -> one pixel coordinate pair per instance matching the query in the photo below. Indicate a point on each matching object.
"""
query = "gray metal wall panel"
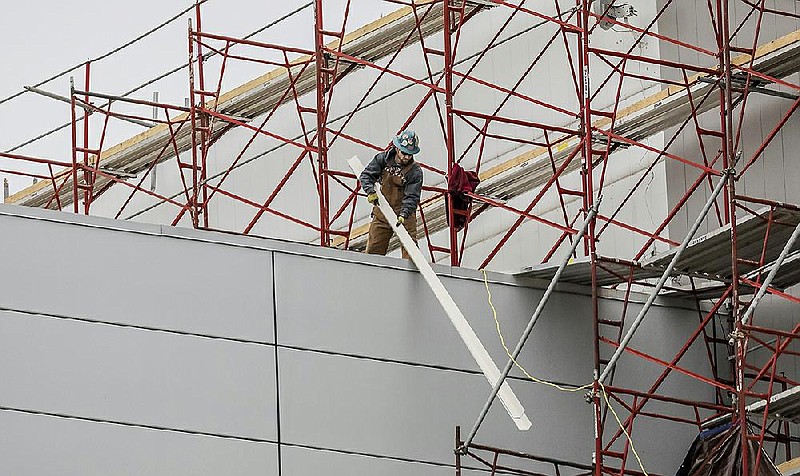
(303, 461)
(41, 446)
(306, 461)
(136, 279)
(135, 376)
(372, 405)
(662, 334)
(405, 411)
(404, 321)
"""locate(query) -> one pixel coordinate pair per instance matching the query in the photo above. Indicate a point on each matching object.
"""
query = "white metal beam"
(476, 348)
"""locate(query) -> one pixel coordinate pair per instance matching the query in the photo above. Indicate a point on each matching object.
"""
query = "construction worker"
(401, 183)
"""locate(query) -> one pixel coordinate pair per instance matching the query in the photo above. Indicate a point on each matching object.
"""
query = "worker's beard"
(404, 159)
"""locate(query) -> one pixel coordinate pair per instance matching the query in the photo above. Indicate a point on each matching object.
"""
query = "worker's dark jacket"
(406, 182)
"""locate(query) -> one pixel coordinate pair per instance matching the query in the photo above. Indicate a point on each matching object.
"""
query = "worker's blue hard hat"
(407, 142)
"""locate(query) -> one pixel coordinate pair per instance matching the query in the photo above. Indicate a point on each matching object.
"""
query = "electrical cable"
(365, 106)
(43, 135)
(344, 116)
(622, 427)
(150, 81)
(508, 352)
(208, 55)
(214, 53)
(106, 55)
(554, 385)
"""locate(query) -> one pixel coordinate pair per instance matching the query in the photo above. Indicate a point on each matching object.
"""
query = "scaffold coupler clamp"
(591, 395)
(462, 450)
(731, 170)
(735, 336)
(596, 205)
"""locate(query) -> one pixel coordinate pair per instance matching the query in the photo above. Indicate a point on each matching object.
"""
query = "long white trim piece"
(474, 345)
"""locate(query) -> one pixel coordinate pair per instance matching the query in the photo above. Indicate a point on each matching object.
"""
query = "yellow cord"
(554, 385)
(622, 427)
(508, 352)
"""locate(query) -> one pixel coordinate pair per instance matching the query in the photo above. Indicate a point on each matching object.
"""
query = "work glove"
(400, 220)
(373, 198)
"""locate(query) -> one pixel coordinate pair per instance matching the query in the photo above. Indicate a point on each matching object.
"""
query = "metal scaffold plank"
(710, 255)
(610, 271)
(783, 406)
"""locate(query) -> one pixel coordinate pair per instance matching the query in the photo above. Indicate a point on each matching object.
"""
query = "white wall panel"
(766, 178)
(551, 80)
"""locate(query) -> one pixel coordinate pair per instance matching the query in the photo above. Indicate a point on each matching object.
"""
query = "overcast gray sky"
(46, 38)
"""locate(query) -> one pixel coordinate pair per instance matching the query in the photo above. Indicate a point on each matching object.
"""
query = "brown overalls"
(380, 231)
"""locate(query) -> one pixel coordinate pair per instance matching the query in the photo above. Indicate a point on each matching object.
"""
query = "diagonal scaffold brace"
(532, 322)
(667, 273)
(465, 331)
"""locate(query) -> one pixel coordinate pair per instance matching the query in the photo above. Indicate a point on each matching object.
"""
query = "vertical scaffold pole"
(323, 84)
(589, 239)
(447, 22)
(193, 112)
(728, 155)
(74, 137)
(88, 176)
(205, 132)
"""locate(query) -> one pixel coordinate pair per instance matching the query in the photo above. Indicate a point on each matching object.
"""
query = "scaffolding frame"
(582, 139)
